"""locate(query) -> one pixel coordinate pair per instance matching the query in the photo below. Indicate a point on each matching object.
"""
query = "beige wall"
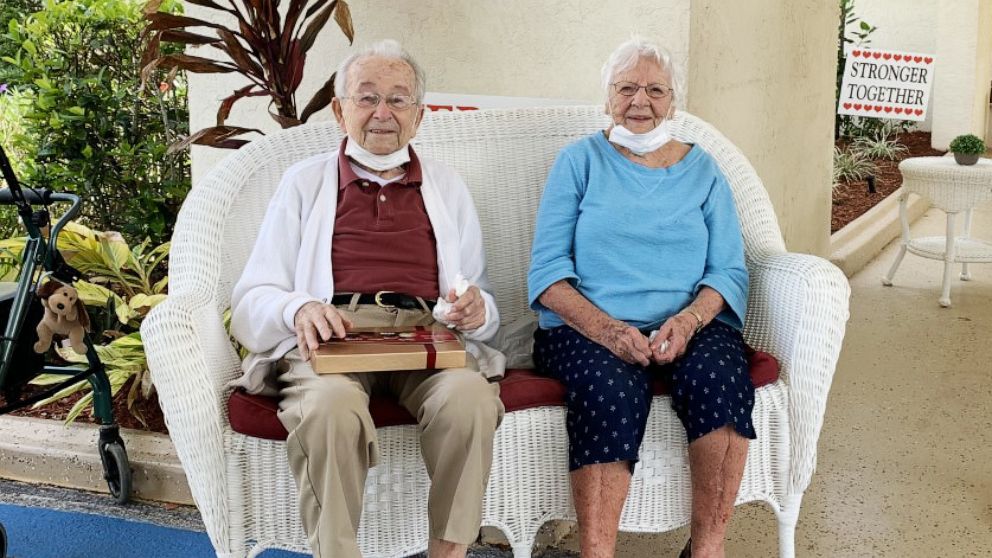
(778, 109)
(763, 72)
(981, 114)
(902, 24)
(961, 80)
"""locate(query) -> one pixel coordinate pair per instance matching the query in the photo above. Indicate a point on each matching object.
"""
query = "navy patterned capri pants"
(608, 399)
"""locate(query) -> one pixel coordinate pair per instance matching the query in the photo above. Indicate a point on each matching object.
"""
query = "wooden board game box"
(381, 349)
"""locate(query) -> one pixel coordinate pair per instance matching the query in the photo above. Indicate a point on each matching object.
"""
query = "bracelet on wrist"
(694, 314)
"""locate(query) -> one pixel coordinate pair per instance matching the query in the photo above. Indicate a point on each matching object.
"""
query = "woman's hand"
(316, 322)
(672, 339)
(468, 311)
(625, 341)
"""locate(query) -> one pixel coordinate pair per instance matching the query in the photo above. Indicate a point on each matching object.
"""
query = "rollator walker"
(22, 310)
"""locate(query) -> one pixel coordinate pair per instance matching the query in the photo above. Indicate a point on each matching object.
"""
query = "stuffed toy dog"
(65, 315)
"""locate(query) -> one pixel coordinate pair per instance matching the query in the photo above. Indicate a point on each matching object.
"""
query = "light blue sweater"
(638, 242)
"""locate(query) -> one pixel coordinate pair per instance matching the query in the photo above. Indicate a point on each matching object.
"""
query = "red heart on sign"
(886, 56)
(857, 106)
(888, 109)
(847, 106)
(917, 59)
(898, 110)
(855, 53)
(918, 112)
(878, 108)
(898, 57)
(928, 60)
(876, 55)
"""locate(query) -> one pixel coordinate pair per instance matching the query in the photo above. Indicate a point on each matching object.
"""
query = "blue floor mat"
(44, 533)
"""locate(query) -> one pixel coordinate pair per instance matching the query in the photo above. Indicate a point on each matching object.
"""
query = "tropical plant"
(851, 165)
(85, 124)
(968, 144)
(124, 284)
(265, 46)
(882, 145)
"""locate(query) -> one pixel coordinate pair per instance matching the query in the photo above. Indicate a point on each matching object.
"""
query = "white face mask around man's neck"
(375, 162)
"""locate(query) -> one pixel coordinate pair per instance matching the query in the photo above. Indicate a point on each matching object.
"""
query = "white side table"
(952, 188)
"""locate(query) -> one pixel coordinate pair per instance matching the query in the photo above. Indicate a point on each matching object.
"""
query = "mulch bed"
(58, 410)
(852, 199)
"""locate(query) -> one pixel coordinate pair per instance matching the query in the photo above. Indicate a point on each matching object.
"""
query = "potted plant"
(967, 148)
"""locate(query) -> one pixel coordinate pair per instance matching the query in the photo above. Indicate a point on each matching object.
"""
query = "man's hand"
(627, 342)
(316, 322)
(468, 311)
(672, 339)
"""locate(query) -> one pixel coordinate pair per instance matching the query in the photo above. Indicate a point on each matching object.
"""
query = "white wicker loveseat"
(242, 485)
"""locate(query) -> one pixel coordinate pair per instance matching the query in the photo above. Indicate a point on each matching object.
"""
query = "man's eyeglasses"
(653, 90)
(395, 102)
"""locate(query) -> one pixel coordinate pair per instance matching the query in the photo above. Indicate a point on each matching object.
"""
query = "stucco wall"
(981, 113)
(961, 81)
(511, 47)
(902, 24)
(763, 72)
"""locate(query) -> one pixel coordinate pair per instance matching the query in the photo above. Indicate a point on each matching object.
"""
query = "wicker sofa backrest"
(503, 156)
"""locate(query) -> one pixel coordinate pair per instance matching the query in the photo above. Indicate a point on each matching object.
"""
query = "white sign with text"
(886, 84)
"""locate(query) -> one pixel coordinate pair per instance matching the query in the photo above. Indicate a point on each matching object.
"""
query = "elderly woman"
(637, 271)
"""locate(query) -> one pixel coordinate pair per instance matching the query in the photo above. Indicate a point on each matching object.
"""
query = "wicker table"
(954, 189)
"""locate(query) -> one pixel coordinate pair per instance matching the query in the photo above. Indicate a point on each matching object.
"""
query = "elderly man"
(372, 235)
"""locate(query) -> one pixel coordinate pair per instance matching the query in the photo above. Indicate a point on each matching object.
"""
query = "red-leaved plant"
(265, 48)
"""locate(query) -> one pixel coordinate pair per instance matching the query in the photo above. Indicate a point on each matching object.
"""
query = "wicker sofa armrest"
(190, 359)
(798, 311)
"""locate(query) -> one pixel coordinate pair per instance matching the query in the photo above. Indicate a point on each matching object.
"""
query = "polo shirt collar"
(347, 176)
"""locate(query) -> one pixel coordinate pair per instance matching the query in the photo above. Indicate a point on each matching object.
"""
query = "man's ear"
(338, 113)
(420, 115)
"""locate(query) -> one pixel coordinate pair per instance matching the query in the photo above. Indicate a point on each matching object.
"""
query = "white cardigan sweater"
(290, 264)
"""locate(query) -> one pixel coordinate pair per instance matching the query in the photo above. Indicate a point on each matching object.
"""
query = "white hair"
(626, 56)
(387, 49)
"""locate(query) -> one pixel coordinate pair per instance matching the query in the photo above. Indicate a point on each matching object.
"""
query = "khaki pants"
(332, 440)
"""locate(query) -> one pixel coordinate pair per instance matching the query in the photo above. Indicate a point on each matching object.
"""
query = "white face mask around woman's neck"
(375, 162)
(641, 144)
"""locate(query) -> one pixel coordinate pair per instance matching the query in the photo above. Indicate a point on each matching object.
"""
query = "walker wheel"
(116, 470)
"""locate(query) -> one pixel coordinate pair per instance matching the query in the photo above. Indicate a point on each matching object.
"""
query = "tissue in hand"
(443, 306)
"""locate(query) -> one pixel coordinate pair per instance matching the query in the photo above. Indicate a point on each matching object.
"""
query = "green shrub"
(12, 10)
(851, 165)
(87, 126)
(968, 144)
(881, 145)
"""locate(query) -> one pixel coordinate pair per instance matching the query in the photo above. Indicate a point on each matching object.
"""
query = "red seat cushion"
(255, 415)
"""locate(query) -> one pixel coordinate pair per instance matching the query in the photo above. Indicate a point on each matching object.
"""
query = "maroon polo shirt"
(383, 239)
